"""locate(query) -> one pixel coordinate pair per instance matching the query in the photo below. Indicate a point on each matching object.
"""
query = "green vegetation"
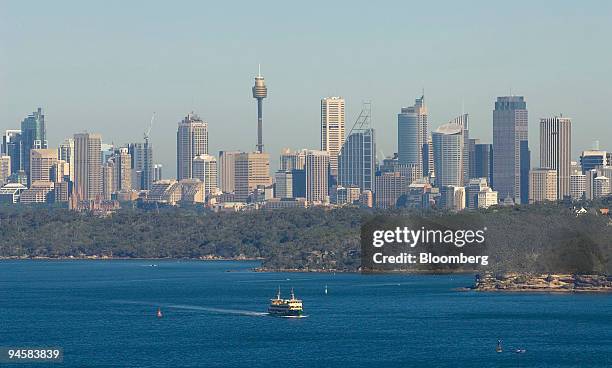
(544, 238)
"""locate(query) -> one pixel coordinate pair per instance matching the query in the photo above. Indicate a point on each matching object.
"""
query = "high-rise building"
(332, 129)
(591, 159)
(260, 91)
(142, 164)
(191, 141)
(317, 175)
(510, 147)
(251, 170)
(33, 136)
(157, 172)
(487, 198)
(412, 134)
(555, 150)
(122, 175)
(108, 180)
(542, 185)
(481, 161)
(474, 187)
(5, 169)
(205, 169)
(41, 163)
(577, 186)
(11, 146)
(292, 160)
(389, 187)
(463, 121)
(65, 152)
(452, 197)
(284, 184)
(87, 166)
(448, 148)
(357, 158)
(227, 170)
(601, 187)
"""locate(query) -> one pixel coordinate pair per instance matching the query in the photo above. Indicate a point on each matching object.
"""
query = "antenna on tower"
(259, 70)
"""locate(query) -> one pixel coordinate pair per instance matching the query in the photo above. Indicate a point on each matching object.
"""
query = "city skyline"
(115, 78)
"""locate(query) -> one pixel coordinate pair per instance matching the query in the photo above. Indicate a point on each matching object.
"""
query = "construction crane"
(148, 132)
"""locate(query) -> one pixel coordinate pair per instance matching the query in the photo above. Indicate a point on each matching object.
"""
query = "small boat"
(498, 348)
(520, 351)
(325, 289)
(159, 313)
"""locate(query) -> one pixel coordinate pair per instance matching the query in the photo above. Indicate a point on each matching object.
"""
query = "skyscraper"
(157, 172)
(555, 150)
(227, 170)
(142, 164)
(332, 129)
(122, 175)
(592, 158)
(542, 185)
(510, 147)
(292, 160)
(389, 187)
(41, 162)
(65, 152)
(251, 170)
(463, 121)
(283, 184)
(448, 148)
(205, 169)
(11, 146)
(260, 91)
(33, 136)
(317, 175)
(481, 162)
(191, 141)
(357, 159)
(87, 166)
(412, 134)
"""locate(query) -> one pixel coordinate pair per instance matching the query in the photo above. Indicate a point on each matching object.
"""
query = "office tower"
(65, 152)
(412, 134)
(555, 150)
(11, 146)
(487, 198)
(251, 169)
(122, 175)
(357, 158)
(577, 186)
(284, 184)
(227, 170)
(11, 192)
(452, 197)
(260, 91)
(191, 141)
(589, 178)
(292, 160)
(345, 195)
(298, 187)
(601, 187)
(108, 180)
(332, 129)
(157, 172)
(366, 199)
(431, 166)
(542, 185)
(5, 169)
(463, 121)
(60, 171)
(41, 162)
(142, 164)
(33, 136)
(389, 187)
(448, 148)
(205, 169)
(481, 162)
(510, 128)
(591, 159)
(317, 175)
(474, 187)
(38, 192)
(87, 166)
(575, 168)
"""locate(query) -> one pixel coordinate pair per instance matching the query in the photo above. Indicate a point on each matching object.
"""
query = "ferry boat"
(285, 307)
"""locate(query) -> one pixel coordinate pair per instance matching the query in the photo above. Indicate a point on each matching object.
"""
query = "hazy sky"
(106, 66)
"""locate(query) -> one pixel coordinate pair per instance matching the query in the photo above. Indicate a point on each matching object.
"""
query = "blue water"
(103, 315)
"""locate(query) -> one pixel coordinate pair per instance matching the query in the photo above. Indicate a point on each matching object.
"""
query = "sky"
(106, 66)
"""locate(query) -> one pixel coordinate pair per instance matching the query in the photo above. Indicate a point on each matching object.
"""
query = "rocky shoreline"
(565, 283)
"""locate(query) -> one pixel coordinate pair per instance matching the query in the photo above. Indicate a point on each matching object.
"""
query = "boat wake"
(197, 308)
